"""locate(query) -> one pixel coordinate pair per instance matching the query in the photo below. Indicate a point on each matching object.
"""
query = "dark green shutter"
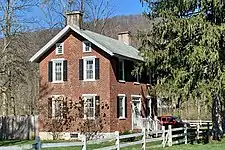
(81, 72)
(65, 109)
(50, 71)
(97, 68)
(147, 107)
(125, 107)
(81, 108)
(118, 106)
(65, 70)
(49, 107)
(97, 106)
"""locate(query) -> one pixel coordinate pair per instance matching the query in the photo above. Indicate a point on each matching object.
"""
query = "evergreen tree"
(185, 52)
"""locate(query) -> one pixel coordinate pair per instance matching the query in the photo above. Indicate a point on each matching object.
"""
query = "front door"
(136, 112)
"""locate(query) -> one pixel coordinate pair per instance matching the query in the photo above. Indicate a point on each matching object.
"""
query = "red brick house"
(80, 64)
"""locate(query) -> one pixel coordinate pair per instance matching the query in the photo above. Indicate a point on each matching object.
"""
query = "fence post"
(163, 136)
(156, 126)
(117, 140)
(170, 140)
(185, 133)
(85, 142)
(198, 128)
(144, 140)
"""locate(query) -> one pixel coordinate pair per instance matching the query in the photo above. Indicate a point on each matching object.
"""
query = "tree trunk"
(217, 132)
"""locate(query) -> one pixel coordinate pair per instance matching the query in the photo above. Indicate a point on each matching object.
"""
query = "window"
(57, 106)
(89, 106)
(59, 48)
(121, 70)
(121, 99)
(57, 70)
(89, 68)
(86, 46)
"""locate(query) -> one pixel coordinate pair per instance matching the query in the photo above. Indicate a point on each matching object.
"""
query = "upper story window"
(86, 46)
(121, 70)
(57, 70)
(89, 68)
(59, 48)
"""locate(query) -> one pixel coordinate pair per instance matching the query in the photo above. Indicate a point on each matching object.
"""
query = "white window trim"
(53, 105)
(56, 50)
(137, 96)
(123, 105)
(53, 69)
(123, 76)
(86, 58)
(84, 46)
(89, 95)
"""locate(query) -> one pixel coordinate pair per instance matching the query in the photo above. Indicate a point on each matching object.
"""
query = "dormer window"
(86, 46)
(59, 48)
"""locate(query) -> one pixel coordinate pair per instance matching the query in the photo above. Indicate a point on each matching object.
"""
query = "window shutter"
(81, 72)
(65, 109)
(148, 107)
(65, 70)
(50, 71)
(96, 68)
(118, 106)
(81, 108)
(97, 106)
(49, 107)
(125, 107)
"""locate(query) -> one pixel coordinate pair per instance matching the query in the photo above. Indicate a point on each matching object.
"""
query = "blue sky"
(127, 7)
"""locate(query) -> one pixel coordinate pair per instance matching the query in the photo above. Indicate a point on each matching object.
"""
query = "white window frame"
(85, 59)
(54, 98)
(123, 105)
(54, 61)
(137, 96)
(84, 46)
(56, 50)
(94, 105)
(123, 71)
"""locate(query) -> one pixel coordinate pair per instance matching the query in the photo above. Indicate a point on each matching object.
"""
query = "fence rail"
(165, 137)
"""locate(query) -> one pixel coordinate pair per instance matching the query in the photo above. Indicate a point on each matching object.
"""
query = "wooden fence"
(17, 127)
(167, 138)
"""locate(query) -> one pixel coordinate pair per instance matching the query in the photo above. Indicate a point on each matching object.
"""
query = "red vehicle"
(172, 120)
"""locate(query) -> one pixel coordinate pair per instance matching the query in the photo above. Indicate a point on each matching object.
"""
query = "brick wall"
(107, 87)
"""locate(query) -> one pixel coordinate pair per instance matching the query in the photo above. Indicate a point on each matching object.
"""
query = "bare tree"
(12, 65)
(96, 12)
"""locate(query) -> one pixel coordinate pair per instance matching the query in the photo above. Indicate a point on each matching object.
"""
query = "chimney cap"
(74, 12)
(124, 32)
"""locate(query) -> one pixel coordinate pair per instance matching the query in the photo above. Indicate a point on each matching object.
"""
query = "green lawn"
(214, 145)
(211, 146)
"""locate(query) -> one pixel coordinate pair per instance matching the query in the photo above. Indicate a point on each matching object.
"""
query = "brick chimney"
(124, 37)
(74, 19)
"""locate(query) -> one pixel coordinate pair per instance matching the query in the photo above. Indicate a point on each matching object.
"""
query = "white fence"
(166, 138)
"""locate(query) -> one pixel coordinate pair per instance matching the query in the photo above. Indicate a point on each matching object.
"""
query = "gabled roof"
(107, 44)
